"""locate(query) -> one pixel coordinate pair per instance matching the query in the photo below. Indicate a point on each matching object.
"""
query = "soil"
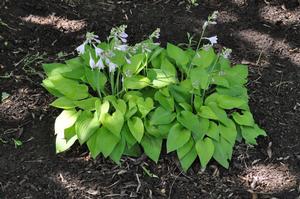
(265, 35)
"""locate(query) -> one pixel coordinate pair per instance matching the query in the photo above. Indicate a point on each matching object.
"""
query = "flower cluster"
(102, 57)
(119, 36)
(146, 47)
(90, 39)
(226, 52)
(118, 39)
(211, 20)
(155, 34)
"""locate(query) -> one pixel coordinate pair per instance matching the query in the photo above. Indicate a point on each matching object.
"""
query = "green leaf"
(164, 129)
(72, 69)
(66, 140)
(160, 78)
(213, 131)
(50, 87)
(4, 96)
(62, 145)
(245, 118)
(236, 75)
(65, 120)
(131, 112)
(205, 150)
(162, 116)
(168, 68)
(177, 137)
(114, 122)
(134, 151)
(191, 122)
(86, 125)
(136, 82)
(240, 70)
(135, 66)
(176, 53)
(239, 136)
(233, 91)
(182, 151)
(204, 125)
(118, 58)
(63, 103)
(199, 77)
(102, 141)
(70, 88)
(166, 102)
(220, 81)
(119, 104)
(87, 104)
(251, 133)
(152, 147)
(187, 161)
(228, 148)
(156, 61)
(220, 113)
(76, 68)
(228, 102)
(186, 106)
(130, 140)
(136, 127)
(70, 132)
(55, 69)
(102, 109)
(118, 151)
(151, 129)
(108, 142)
(221, 152)
(204, 58)
(156, 53)
(224, 63)
(164, 76)
(197, 102)
(212, 98)
(228, 132)
(132, 96)
(207, 112)
(95, 78)
(93, 144)
(145, 105)
(180, 93)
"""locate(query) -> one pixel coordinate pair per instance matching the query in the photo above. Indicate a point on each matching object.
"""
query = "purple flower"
(100, 64)
(92, 62)
(98, 51)
(112, 67)
(80, 49)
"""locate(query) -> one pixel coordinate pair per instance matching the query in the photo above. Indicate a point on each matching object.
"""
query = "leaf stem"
(190, 65)
(117, 82)
(209, 80)
(112, 82)
(198, 46)
(97, 83)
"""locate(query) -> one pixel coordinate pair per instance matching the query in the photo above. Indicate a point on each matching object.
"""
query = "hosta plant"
(125, 100)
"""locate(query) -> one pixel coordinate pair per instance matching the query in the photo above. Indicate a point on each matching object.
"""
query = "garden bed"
(261, 35)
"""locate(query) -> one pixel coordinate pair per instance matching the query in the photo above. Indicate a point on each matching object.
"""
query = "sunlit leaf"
(86, 125)
(251, 133)
(177, 137)
(205, 150)
(152, 147)
(136, 127)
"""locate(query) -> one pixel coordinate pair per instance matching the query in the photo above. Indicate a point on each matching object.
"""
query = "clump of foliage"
(125, 100)
(192, 3)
